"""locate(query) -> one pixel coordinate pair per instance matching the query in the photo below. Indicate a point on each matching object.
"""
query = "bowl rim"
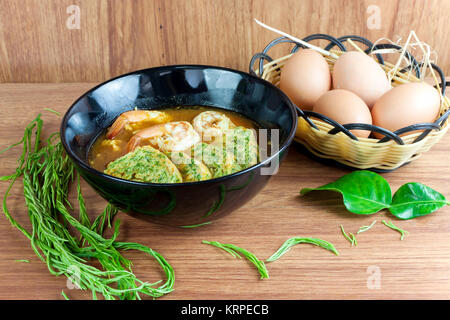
(96, 172)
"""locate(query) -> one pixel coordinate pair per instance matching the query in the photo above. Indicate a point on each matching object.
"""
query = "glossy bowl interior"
(182, 204)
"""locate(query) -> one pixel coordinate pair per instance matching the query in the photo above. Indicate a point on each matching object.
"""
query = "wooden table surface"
(417, 267)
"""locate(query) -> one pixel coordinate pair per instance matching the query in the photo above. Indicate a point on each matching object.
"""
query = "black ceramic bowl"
(182, 204)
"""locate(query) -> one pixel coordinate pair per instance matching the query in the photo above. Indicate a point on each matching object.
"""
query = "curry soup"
(114, 156)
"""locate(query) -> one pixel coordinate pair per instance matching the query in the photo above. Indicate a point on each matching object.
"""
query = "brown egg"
(405, 105)
(360, 74)
(305, 77)
(344, 107)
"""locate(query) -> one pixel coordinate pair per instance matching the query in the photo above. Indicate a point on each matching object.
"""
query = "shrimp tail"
(149, 133)
(133, 143)
(116, 127)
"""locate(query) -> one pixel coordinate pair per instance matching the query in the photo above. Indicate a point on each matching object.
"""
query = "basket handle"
(388, 135)
(360, 39)
(264, 56)
(370, 127)
(321, 36)
(337, 126)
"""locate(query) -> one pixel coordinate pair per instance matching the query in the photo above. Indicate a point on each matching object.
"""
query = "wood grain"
(118, 36)
(417, 267)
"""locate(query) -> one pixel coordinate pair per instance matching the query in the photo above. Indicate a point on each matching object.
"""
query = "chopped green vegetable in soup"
(145, 164)
(190, 168)
(194, 144)
(218, 161)
(241, 143)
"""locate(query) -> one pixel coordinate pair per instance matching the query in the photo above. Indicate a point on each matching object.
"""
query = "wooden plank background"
(118, 36)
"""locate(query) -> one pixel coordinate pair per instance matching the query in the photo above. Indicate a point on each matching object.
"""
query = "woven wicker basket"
(326, 139)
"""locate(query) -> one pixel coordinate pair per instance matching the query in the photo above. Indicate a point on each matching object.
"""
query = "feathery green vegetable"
(236, 252)
(196, 225)
(286, 246)
(389, 224)
(349, 236)
(217, 204)
(355, 242)
(365, 228)
(47, 175)
(53, 111)
(64, 295)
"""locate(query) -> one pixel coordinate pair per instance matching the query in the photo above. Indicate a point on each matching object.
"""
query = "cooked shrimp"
(131, 120)
(167, 137)
(211, 124)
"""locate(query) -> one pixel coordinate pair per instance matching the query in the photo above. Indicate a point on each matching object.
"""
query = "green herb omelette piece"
(145, 164)
(218, 161)
(241, 143)
(190, 168)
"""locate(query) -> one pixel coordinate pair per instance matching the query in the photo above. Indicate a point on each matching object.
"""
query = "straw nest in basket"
(327, 139)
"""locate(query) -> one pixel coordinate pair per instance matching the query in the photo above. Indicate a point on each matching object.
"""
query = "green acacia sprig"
(288, 244)
(47, 175)
(64, 295)
(196, 225)
(236, 252)
(366, 192)
(355, 242)
(365, 228)
(389, 224)
(349, 236)
(53, 111)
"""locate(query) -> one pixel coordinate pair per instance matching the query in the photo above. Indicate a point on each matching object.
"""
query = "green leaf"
(414, 199)
(364, 192)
